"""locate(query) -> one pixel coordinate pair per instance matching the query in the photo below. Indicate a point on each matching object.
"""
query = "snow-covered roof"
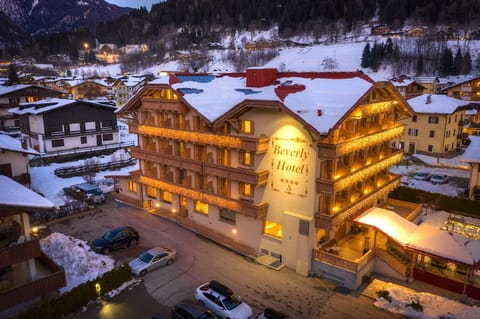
(74, 83)
(427, 236)
(50, 104)
(472, 153)
(16, 195)
(13, 88)
(12, 144)
(439, 104)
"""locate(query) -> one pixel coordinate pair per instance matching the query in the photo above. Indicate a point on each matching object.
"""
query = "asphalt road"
(200, 260)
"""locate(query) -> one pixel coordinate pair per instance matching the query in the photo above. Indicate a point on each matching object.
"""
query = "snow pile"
(80, 263)
(434, 306)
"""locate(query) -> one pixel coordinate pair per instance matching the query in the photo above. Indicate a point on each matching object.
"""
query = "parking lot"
(200, 260)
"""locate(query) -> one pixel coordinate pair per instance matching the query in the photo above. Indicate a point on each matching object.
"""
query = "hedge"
(79, 296)
(440, 202)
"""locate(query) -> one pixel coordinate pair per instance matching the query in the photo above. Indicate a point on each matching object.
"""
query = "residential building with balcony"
(123, 89)
(86, 89)
(60, 125)
(267, 163)
(436, 127)
(14, 161)
(472, 158)
(26, 274)
(468, 90)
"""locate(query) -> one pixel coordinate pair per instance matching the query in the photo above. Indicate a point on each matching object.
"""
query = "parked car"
(221, 300)
(422, 176)
(439, 179)
(116, 238)
(152, 259)
(190, 310)
(270, 313)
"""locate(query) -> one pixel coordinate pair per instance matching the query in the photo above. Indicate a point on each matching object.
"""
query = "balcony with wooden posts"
(159, 104)
(237, 174)
(332, 150)
(254, 210)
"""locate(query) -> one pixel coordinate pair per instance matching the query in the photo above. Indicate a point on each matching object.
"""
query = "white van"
(92, 191)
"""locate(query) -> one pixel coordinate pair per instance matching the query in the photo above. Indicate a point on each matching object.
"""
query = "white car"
(439, 179)
(152, 259)
(221, 300)
(422, 176)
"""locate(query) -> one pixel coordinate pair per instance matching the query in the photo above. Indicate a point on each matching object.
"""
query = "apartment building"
(468, 90)
(267, 163)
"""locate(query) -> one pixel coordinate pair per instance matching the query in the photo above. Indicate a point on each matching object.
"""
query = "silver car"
(152, 259)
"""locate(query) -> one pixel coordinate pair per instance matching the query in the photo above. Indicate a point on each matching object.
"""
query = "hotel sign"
(289, 166)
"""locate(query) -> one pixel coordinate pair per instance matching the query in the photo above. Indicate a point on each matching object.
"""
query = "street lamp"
(85, 45)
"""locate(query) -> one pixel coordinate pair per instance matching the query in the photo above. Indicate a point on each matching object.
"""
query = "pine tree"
(12, 76)
(419, 67)
(366, 57)
(388, 48)
(396, 54)
(467, 63)
(457, 62)
(446, 63)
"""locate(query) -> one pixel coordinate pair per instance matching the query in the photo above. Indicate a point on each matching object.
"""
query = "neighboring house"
(108, 53)
(274, 165)
(132, 49)
(430, 83)
(408, 88)
(472, 157)
(14, 159)
(60, 124)
(86, 89)
(381, 29)
(11, 96)
(436, 127)
(26, 274)
(468, 90)
(123, 89)
(417, 32)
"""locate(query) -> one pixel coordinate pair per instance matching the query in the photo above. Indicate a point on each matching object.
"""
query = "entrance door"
(411, 148)
(99, 140)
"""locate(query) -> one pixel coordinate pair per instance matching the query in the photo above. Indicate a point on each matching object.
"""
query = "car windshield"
(207, 315)
(437, 177)
(146, 257)
(421, 174)
(109, 236)
(231, 302)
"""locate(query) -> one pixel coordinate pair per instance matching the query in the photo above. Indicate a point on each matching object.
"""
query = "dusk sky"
(134, 3)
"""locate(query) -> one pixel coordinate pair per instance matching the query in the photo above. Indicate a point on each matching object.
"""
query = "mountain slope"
(11, 36)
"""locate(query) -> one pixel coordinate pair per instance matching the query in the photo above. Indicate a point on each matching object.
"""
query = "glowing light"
(35, 230)
(98, 289)
(163, 73)
(234, 231)
(174, 210)
(157, 205)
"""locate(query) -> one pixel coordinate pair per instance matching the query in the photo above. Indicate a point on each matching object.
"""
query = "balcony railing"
(342, 262)
(163, 105)
(257, 211)
(19, 252)
(332, 151)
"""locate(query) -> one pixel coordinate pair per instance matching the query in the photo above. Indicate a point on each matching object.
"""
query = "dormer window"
(246, 127)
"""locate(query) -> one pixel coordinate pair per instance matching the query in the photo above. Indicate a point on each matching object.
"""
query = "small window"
(413, 132)
(449, 119)
(414, 118)
(167, 197)
(106, 125)
(108, 137)
(90, 126)
(246, 189)
(201, 207)
(304, 228)
(430, 148)
(227, 215)
(454, 132)
(58, 143)
(83, 140)
(273, 229)
(132, 187)
(447, 134)
(151, 192)
(431, 134)
(246, 127)
(74, 127)
(433, 119)
(246, 158)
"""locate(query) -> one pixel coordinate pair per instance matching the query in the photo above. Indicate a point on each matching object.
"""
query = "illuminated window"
(167, 197)
(201, 207)
(273, 229)
(151, 192)
(246, 158)
(227, 215)
(132, 187)
(247, 127)
(246, 189)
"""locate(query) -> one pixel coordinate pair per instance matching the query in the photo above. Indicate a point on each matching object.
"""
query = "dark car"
(190, 310)
(116, 238)
(270, 313)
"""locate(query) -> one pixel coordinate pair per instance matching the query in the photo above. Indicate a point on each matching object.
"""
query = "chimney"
(257, 77)
(429, 99)
(24, 143)
(319, 112)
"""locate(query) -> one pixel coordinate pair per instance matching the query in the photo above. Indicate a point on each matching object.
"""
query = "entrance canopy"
(430, 236)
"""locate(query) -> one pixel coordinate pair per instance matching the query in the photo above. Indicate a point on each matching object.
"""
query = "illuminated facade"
(266, 163)
(468, 90)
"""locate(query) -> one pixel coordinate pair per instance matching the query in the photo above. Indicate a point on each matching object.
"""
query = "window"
(273, 229)
(246, 158)
(108, 137)
(246, 189)
(132, 187)
(106, 125)
(246, 127)
(414, 118)
(201, 207)
(431, 134)
(83, 140)
(151, 192)
(447, 134)
(167, 197)
(57, 143)
(430, 148)
(412, 132)
(90, 126)
(433, 119)
(303, 228)
(74, 127)
(449, 119)
(227, 215)
(454, 132)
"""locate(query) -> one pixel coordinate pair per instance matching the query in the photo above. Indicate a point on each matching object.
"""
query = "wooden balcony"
(258, 145)
(257, 211)
(163, 105)
(332, 186)
(50, 279)
(332, 151)
(19, 252)
(237, 174)
(342, 262)
(334, 221)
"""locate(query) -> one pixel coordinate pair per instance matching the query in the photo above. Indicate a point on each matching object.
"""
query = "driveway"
(200, 260)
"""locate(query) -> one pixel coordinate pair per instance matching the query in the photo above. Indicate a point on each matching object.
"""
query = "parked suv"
(119, 237)
(190, 310)
(221, 300)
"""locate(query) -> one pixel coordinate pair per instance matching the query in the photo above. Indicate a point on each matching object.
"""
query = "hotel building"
(267, 163)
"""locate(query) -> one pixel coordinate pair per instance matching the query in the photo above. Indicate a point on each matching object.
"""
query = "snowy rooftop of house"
(13, 88)
(12, 144)
(14, 194)
(50, 104)
(213, 96)
(439, 104)
(74, 83)
(472, 153)
(427, 236)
